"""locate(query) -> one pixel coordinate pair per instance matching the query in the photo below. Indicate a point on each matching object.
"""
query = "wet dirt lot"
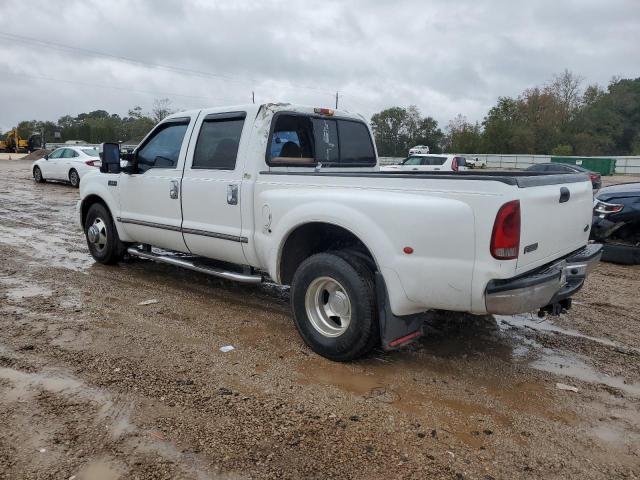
(95, 386)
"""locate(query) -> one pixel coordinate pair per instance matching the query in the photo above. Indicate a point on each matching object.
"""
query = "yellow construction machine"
(12, 143)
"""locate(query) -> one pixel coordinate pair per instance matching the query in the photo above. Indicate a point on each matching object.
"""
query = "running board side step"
(216, 272)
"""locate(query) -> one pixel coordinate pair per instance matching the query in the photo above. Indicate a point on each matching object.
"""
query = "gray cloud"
(445, 57)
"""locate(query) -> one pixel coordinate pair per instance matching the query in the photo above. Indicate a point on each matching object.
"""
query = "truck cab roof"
(273, 108)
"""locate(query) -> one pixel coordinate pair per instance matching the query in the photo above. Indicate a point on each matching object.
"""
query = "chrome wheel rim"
(97, 234)
(328, 307)
(74, 178)
(37, 174)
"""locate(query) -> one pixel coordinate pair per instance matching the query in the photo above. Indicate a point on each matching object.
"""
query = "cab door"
(50, 164)
(150, 210)
(211, 187)
(66, 163)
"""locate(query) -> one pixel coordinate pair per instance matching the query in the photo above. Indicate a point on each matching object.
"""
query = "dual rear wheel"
(334, 305)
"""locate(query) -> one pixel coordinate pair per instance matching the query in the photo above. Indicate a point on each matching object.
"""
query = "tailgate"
(552, 222)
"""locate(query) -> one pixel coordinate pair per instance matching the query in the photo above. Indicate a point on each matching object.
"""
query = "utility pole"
(253, 96)
(336, 100)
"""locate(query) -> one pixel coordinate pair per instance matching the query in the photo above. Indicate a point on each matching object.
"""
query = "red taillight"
(454, 164)
(505, 238)
(93, 163)
(594, 176)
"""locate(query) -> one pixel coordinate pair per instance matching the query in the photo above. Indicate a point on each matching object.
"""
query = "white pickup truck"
(293, 195)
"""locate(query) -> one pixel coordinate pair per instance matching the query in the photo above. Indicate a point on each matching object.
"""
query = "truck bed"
(519, 179)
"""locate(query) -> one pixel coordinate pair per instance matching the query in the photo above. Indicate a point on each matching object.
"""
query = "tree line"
(558, 118)
(99, 125)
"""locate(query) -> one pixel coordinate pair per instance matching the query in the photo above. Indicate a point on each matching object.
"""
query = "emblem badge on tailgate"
(531, 248)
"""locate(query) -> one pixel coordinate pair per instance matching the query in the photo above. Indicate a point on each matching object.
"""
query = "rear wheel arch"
(308, 239)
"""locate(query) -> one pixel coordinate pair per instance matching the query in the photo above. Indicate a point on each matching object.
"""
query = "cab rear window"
(303, 140)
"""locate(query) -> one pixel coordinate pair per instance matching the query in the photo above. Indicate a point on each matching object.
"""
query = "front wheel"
(334, 306)
(37, 175)
(102, 237)
(74, 178)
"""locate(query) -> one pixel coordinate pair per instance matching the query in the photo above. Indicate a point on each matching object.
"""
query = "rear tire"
(334, 306)
(37, 175)
(74, 178)
(102, 237)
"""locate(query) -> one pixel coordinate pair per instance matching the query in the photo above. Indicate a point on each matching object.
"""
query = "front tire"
(74, 178)
(37, 175)
(334, 306)
(102, 237)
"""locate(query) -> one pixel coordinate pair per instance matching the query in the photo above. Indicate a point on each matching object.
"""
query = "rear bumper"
(548, 285)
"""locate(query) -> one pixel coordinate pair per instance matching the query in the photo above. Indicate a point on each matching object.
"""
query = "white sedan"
(429, 163)
(68, 164)
(419, 149)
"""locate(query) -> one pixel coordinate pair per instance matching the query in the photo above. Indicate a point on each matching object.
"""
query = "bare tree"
(566, 88)
(161, 109)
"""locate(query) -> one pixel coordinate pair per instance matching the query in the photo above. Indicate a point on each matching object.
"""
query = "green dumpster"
(604, 166)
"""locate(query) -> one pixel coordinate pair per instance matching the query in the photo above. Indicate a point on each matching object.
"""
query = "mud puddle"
(557, 361)
(546, 325)
(571, 365)
(55, 252)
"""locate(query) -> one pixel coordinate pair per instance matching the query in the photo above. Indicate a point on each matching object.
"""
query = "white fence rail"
(624, 165)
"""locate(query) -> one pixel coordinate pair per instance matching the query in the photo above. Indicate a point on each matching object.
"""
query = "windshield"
(425, 160)
(92, 152)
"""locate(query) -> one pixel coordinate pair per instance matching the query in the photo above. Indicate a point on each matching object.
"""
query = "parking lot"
(96, 385)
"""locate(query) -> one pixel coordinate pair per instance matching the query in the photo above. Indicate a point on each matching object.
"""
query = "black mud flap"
(395, 331)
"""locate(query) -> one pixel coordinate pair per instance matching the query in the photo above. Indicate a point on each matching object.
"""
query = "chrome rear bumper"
(542, 287)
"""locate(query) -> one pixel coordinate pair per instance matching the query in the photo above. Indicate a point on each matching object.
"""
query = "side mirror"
(110, 158)
(46, 157)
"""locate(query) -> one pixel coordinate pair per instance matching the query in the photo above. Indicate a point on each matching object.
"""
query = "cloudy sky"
(445, 57)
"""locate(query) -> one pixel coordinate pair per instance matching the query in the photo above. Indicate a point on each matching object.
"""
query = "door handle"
(174, 189)
(232, 194)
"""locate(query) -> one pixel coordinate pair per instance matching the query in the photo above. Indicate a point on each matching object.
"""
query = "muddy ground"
(95, 386)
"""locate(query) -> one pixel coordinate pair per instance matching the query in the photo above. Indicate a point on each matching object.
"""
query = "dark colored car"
(596, 179)
(616, 222)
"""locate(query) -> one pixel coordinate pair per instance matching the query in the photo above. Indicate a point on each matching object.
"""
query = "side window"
(57, 153)
(355, 144)
(412, 161)
(279, 141)
(163, 148)
(217, 145)
(462, 162)
(69, 153)
(291, 141)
